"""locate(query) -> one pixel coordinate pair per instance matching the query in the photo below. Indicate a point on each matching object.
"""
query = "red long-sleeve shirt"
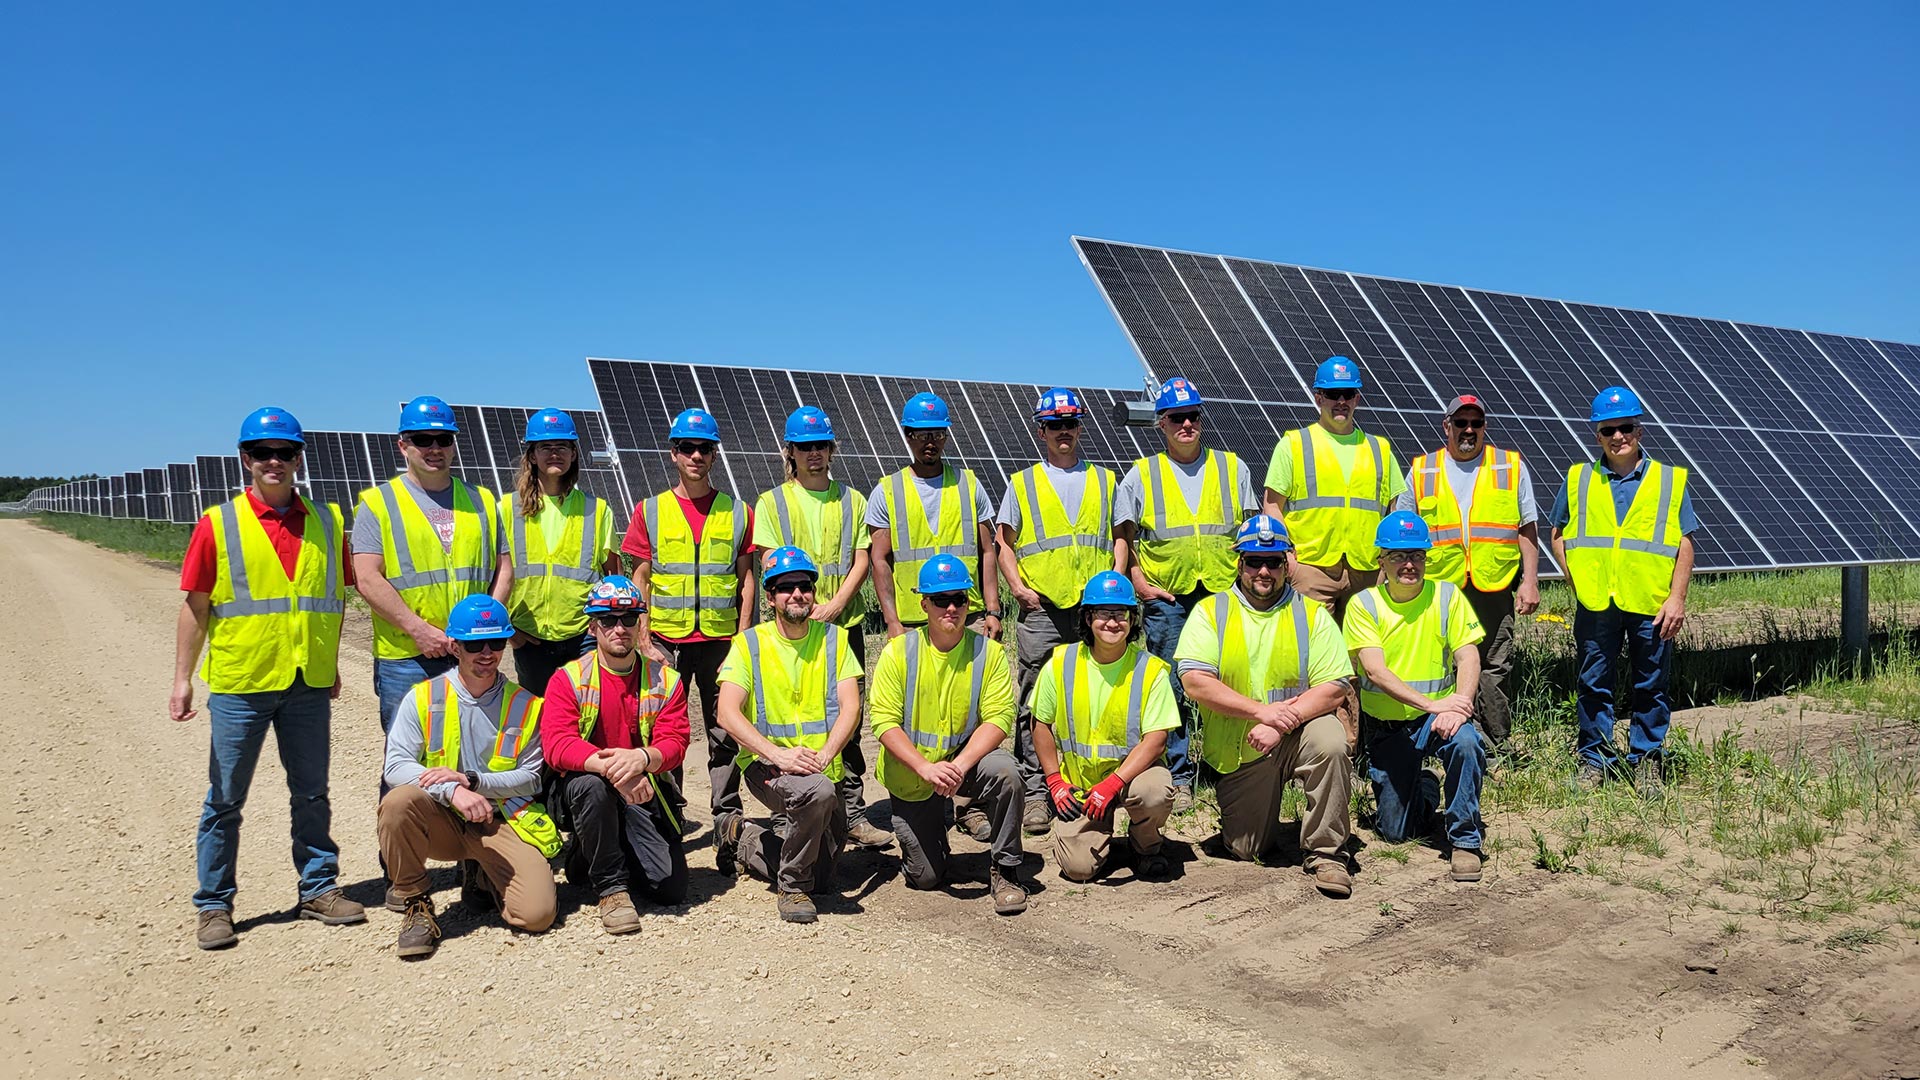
(619, 727)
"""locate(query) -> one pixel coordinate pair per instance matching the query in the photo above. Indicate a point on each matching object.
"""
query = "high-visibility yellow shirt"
(430, 578)
(551, 574)
(1058, 555)
(1099, 712)
(827, 525)
(1272, 655)
(1485, 549)
(938, 699)
(1417, 640)
(792, 687)
(265, 628)
(1627, 562)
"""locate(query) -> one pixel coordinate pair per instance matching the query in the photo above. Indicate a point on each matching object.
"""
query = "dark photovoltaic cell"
(1870, 372)
(1391, 381)
(1454, 362)
(180, 494)
(1814, 382)
(153, 501)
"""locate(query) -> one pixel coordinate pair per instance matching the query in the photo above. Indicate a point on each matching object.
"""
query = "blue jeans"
(1395, 751)
(1164, 621)
(300, 718)
(535, 662)
(1599, 634)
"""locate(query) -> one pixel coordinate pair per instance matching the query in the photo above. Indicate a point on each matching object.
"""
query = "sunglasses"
(623, 618)
(926, 434)
(553, 447)
(1111, 614)
(813, 447)
(1181, 419)
(489, 645)
(271, 453)
(789, 586)
(440, 440)
(1403, 556)
(1618, 429)
(1060, 425)
(691, 448)
(1264, 562)
(1338, 395)
(947, 599)
(1468, 425)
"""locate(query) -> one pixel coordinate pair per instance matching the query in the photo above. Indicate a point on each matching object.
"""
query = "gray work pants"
(1038, 633)
(1493, 705)
(802, 861)
(993, 785)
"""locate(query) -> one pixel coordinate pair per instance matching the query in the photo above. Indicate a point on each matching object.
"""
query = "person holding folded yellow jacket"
(561, 540)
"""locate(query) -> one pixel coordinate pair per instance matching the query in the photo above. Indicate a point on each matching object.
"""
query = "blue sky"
(204, 208)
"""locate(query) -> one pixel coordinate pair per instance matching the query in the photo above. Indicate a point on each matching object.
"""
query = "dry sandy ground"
(1232, 971)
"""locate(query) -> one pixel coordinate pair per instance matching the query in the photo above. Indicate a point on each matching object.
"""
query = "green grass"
(153, 539)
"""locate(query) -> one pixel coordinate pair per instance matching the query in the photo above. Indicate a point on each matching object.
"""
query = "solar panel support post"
(1854, 643)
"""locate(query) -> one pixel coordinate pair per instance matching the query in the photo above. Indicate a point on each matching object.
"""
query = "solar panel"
(180, 494)
(153, 503)
(1805, 448)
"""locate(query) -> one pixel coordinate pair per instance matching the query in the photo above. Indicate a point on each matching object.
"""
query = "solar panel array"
(1805, 448)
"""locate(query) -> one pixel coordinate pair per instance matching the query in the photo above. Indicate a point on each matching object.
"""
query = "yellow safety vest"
(927, 719)
(696, 586)
(831, 551)
(439, 710)
(430, 579)
(1181, 549)
(915, 539)
(802, 713)
(1058, 555)
(1413, 642)
(1092, 747)
(1281, 677)
(550, 584)
(657, 682)
(1625, 563)
(264, 629)
(1339, 514)
(1486, 548)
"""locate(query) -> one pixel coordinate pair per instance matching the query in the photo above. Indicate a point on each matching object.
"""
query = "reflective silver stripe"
(650, 513)
(437, 715)
(1314, 500)
(1579, 538)
(897, 522)
(408, 575)
(1444, 534)
(1300, 645)
(1660, 514)
(834, 636)
(512, 807)
(243, 602)
(969, 545)
(1418, 686)
(1427, 468)
(524, 567)
(1150, 481)
(1070, 668)
(1493, 534)
(805, 727)
(1443, 596)
(929, 740)
(784, 512)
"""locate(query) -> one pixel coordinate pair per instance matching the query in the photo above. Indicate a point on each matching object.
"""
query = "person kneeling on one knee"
(1102, 708)
(1414, 641)
(942, 705)
(463, 764)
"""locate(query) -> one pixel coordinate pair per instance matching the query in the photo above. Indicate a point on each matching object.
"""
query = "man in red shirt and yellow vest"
(612, 723)
(265, 577)
(691, 550)
(1622, 528)
(1477, 501)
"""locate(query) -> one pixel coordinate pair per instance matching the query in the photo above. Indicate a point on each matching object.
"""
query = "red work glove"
(1100, 799)
(1065, 806)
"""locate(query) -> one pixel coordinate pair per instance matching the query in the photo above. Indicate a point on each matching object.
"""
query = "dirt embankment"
(1231, 971)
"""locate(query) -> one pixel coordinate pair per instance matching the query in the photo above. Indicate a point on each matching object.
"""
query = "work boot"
(215, 929)
(1182, 798)
(419, 933)
(1331, 878)
(1647, 780)
(726, 843)
(476, 892)
(1589, 777)
(1037, 818)
(1008, 897)
(394, 902)
(797, 907)
(973, 822)
(1152, 867)
(1466, 864)
(866, 834)
(617, 915)
(333, 908)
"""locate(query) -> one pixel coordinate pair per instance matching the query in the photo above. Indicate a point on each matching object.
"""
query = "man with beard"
(801, 684)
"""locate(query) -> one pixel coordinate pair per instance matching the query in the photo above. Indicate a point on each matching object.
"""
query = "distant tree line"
(14, 488)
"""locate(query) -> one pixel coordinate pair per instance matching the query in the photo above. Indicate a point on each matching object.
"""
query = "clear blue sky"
(208, 207)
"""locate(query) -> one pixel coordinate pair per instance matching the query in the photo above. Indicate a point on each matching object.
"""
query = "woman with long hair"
(562, 542)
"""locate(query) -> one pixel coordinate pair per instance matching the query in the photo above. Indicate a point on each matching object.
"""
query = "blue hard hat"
(1337, 373)
(615, 592)
(1108, 588)
(426, 413)
(808, 424)
(788, 560)
(1614, 403)
(1402, 530)
(924, 410)
(479, 617)
(695, 424)
(943, 574)
(1177, 393)
(1058, 403)
(551, 425)
(1262, 534)
(270, 423)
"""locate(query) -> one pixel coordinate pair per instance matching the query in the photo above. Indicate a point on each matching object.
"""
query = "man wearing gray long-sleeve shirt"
(463, 761)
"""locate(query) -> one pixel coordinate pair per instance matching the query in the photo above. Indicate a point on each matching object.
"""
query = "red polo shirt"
(199, 572)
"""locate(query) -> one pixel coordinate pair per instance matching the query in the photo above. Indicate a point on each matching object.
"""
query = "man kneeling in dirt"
(1267, 668)
(613, 727)
(463, 763)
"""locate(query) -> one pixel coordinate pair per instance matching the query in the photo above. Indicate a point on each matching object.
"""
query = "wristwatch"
(473, 780)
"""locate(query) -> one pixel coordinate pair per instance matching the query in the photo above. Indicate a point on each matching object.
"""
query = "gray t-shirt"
(1130, 496)
(1461, 476)
(437, 505)
(1069, 484)
(929, 491)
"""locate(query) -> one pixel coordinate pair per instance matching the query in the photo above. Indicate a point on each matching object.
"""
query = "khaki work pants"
(1334, 586)
(1081, 847)
(1315, 753)
(414, 828)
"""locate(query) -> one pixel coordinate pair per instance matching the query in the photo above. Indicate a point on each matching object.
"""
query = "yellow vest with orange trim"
(439, 711)
(1485, 549)
(657, 683)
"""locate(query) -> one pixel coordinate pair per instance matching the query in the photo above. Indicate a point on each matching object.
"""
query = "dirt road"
(1231, 971)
